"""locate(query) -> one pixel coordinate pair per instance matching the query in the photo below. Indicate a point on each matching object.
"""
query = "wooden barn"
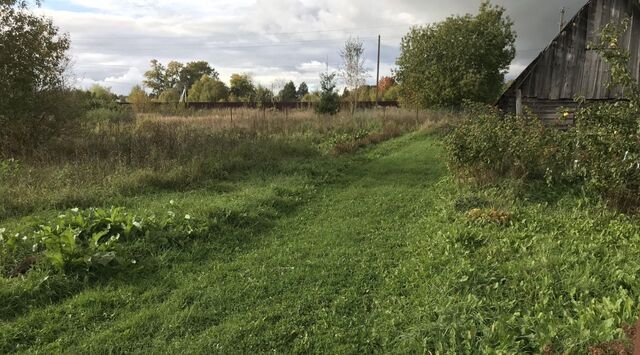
(567, 68)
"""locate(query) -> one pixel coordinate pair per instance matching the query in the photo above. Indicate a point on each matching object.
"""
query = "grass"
(367, 252)
(101, 163)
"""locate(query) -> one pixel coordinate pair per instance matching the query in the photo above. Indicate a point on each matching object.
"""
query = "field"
(340, 236)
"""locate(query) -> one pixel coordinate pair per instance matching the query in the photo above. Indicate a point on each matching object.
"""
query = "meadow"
(303, 234)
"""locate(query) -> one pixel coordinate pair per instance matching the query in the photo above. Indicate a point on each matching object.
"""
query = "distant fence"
(281, 106)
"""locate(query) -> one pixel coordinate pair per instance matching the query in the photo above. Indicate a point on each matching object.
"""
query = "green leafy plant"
(607, 154)
(89, 240)
(488, 144)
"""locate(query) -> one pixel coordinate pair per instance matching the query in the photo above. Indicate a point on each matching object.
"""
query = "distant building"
(567, 69)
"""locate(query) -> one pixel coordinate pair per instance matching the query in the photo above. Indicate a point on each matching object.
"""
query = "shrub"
(112, 115)
(602, 151)
(329, 100)
(608, 134)
(608, 152)
(487, 144)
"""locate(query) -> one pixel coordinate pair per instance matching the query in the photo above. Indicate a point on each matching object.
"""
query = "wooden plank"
(634, 43)
(581, 53)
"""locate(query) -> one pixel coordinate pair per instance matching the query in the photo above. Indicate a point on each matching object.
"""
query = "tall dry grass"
(98, 164)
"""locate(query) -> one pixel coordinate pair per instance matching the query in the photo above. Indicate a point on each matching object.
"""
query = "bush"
(86, 241)
(329, 100)
(602, 152)
(487, 145)
(105, 115)
(608, 152)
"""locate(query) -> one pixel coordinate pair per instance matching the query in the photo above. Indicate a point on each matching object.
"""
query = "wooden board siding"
(567, 69)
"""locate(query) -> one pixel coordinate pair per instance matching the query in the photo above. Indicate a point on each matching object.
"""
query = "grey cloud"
(269, 38)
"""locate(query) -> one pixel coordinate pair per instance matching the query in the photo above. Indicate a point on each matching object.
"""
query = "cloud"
(120, 84)
(114, 40)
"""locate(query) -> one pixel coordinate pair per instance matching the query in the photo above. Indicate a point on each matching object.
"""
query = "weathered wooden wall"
(568, 69)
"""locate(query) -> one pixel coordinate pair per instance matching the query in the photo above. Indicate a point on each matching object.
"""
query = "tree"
(392, 94)
(352, 69)
(242, 87)
(172, 76)
(194, 71)
(329, 99)
(208, 89)
(102, 97)
(175, 75)
(386, 82)
(33, 60)
(139, 99)
(288, 93)
(155, 78)
(303, 90)
(462, 58)
(264, 96)
(170, 95)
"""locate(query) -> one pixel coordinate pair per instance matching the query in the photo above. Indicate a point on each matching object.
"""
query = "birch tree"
(352, 69)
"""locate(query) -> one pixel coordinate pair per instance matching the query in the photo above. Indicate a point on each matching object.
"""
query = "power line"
(183, 44)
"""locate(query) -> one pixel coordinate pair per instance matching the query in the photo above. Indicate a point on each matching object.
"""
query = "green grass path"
(376, 261)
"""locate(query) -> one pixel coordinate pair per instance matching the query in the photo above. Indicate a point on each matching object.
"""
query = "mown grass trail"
(376, 259)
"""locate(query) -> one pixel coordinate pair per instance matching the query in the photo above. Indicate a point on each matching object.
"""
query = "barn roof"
(566, 68)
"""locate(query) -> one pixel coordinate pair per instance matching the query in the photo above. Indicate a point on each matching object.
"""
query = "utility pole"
(562, 13)
(327, 62)
(378, 75)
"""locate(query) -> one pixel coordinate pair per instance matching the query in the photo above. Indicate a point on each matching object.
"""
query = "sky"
(272, 40)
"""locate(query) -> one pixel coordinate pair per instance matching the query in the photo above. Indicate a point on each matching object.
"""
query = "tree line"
(440, 65)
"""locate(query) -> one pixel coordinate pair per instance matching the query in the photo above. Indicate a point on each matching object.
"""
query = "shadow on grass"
(227, 234)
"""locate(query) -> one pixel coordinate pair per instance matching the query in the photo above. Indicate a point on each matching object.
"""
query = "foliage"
(608, 134)
(102, 97)
(329, 99)
(172, 76)
(360, 253)
(194, 71)
(112, 115)
(303, 90)
(601, 153)
(242, 88)
(93, 240)
(176, 77)
(34, 101)
(352, 70)
(208, 89)
(264, 96)
(288, 93)
(392, 94)
(155, 78)
(461, 58)
(486, 145)
(170, 95)
(311, 98)
(139, 99)
(386, 83)
(33, 59)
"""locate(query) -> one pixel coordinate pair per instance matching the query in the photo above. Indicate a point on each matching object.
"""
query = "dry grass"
(98, 164)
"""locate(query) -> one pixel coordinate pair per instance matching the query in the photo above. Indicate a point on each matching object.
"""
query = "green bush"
(487, 144)
(608, 134)
(329, 100)
(86, 241)
(110, 115)
(608, 152)
(602, 151)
